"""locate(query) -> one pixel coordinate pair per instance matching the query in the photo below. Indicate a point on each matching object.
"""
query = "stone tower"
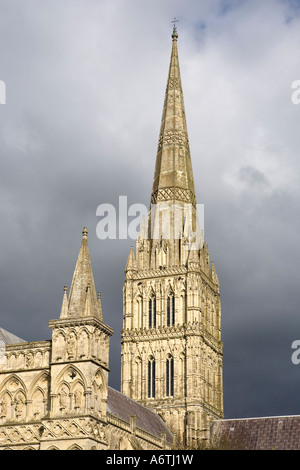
(80, 355)
(171, 338)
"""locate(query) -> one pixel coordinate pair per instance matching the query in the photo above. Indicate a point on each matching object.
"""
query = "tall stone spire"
(173, 177)
(82, 298)
(173, 220)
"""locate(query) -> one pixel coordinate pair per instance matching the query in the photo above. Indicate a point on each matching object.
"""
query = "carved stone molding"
(173, 137)
(173, 194)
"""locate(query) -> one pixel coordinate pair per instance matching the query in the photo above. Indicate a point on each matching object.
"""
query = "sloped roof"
(123, 407)
(8, 338)
(266, 433)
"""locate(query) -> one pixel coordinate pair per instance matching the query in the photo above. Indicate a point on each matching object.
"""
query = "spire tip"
(174, 34)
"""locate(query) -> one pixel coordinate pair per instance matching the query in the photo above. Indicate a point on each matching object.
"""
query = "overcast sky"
(85, 83)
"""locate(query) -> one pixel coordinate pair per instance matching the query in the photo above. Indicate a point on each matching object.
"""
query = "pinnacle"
(64, 307)
(131, 262)
(99, 305)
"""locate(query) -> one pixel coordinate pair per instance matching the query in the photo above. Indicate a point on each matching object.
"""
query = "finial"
(64, 307)
(175, 34)
(85, 232)
(99, 305)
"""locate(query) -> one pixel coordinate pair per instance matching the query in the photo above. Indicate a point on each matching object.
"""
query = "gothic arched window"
(152, 312)
(171, 310)
(170, 376)
(151, 378)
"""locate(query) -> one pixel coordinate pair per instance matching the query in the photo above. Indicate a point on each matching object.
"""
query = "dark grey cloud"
(85, 85)
(253, 177)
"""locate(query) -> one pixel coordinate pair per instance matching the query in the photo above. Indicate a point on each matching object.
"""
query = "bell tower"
(171, 338)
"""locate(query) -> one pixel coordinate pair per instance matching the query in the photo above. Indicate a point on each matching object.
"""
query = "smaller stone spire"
(130, 265)
(131, 262)
(83, 299)
(213, 275)
(64, 307)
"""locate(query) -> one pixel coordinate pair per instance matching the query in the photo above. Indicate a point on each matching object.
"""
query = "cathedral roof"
(8, 338)
(123, 407)
(263, 433)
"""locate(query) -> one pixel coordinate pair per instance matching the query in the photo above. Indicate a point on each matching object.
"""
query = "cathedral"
(54, 394)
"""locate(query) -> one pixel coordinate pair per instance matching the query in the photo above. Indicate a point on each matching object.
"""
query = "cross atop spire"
(175, 34)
